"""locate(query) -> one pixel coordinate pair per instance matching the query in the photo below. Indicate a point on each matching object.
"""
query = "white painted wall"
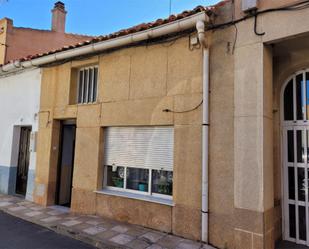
(19, 106)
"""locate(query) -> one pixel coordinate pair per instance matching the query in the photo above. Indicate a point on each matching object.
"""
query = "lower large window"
(139, 160)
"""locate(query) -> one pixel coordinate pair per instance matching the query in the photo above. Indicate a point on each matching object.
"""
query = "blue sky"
(94, 17)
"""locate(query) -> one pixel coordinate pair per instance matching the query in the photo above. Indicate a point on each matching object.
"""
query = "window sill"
(88, 103)
(154, 199)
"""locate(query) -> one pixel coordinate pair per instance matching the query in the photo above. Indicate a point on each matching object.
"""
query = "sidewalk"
(94, 230)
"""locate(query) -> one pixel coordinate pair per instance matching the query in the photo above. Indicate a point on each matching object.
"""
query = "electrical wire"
(235, 26)
(255, 27)
(171, 38)
(190, 110)
(293, 7)
(235, 39)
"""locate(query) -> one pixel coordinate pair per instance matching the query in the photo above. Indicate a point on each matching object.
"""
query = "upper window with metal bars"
(87, 85)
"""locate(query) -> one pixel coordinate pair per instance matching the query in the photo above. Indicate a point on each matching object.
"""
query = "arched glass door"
(295, 117)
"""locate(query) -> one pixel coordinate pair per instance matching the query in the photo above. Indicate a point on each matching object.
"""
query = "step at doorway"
(289, 245)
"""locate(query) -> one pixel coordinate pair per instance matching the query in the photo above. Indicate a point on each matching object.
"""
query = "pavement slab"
(33, 213)
(71, 223)
(189, 245)
(107, 235)
(16, 209)
(120, 229)
(138, 244)
(93, 222)
(5, 203)
(170, 241)
(121, 239)
(152, 237)
(37, 208)
(98, 231)
(136, 232)
(55, 212)
(50, 219)
(155, 247)
(94, 230)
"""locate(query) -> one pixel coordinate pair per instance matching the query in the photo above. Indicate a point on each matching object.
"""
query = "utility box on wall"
(249, 5)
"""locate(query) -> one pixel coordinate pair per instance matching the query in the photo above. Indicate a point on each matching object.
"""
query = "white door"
(295, 158)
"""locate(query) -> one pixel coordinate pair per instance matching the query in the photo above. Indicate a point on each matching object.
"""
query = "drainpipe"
(200, 26)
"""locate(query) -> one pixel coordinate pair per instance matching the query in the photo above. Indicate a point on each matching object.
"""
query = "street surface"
(19, 234)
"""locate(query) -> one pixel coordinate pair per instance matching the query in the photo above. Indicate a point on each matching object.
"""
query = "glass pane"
(300, 147)
(138, 179)
(291, 146)
(307, 138)
(299, 97)
(85, 100)
(95, 80)
(288, 101)
(301, 184)
(162, 182)
(307, 94)
(80, 86)
(115, 176)
(291, 177)
(90, 85)
(302, 222)
(292, 221)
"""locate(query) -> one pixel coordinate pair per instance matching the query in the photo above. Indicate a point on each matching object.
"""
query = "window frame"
(87, 83)
(124, 189)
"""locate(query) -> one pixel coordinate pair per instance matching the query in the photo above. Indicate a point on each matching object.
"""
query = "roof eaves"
(133, 30)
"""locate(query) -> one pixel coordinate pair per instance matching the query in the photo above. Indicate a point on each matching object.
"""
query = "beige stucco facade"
(135, 86)
(260, 66)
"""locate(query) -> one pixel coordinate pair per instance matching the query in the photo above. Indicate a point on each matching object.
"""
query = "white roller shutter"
(139, 147)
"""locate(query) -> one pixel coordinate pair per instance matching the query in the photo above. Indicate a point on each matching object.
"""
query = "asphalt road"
(19, 234)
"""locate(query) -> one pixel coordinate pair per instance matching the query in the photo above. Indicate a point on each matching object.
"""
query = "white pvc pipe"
(200, 26)
(166, 29)
(205, 136)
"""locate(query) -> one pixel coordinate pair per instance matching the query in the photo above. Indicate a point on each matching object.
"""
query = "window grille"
(87, 85)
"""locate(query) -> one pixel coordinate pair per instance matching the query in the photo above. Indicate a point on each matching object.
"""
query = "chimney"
(58, 18)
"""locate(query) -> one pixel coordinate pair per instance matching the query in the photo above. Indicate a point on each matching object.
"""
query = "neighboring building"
(19, 108)
(18, 42)
(123, 125)
(19, 99)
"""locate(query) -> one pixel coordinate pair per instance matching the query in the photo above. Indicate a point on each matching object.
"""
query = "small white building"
(19, 107)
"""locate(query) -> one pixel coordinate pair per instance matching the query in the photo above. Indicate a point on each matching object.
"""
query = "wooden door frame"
(18, 157)
(58, 176)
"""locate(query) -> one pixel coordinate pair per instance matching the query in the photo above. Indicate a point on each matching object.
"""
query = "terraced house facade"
(194, 125)
(108, 123)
